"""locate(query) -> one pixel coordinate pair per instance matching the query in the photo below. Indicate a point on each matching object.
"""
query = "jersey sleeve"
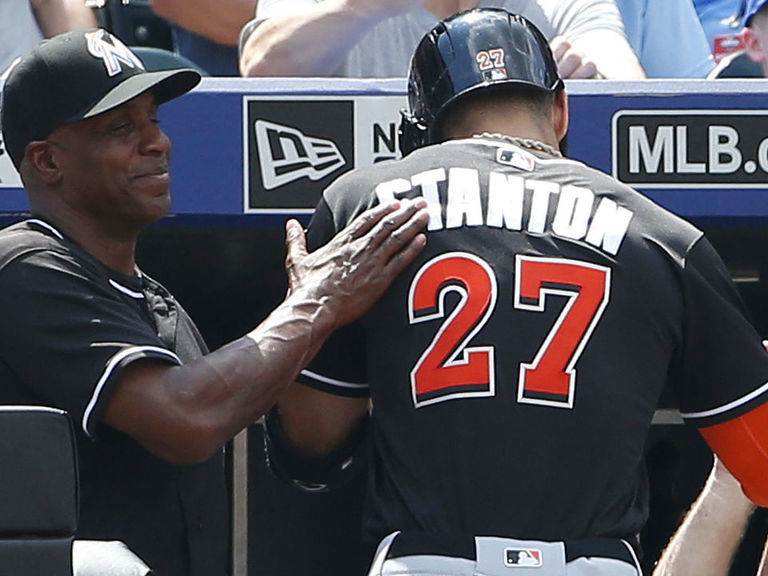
(722, 366)
(65, 336)
(339, 367)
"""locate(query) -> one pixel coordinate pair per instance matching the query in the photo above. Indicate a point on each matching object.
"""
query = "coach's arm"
(185, 413)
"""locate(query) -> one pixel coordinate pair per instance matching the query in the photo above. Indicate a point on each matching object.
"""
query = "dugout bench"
(248, 153)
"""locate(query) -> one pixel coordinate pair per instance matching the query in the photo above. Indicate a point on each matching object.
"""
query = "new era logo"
(286, 154)
(522, 558)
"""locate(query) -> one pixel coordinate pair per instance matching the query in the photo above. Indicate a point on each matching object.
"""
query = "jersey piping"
(726, 407)
(332, 381)
(113, 363)
(48, 227)
(126, 291)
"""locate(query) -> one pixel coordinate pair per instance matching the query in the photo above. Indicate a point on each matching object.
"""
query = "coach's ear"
(560, 114)
(40, 158)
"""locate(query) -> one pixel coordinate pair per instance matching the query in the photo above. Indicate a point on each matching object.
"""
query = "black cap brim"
(165, 85)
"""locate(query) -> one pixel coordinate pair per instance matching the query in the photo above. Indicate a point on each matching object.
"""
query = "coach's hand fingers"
(295, 249)
(395, 230)
(405, 256)
(365, 222)
(404, 243)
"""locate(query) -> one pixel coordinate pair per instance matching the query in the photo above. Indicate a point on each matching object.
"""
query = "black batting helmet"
(466, 52)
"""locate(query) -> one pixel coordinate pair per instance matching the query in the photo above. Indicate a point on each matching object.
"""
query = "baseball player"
(506, 381)
(85, 330)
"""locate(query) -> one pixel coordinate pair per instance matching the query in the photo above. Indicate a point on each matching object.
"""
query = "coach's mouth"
(158, 173)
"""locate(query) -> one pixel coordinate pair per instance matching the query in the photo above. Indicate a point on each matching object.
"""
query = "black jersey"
(70, 325)
(515, 367)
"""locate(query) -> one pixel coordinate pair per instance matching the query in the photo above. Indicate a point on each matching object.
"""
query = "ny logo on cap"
(113, 52)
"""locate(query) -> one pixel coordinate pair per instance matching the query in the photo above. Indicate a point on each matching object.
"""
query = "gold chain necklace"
(529, 143)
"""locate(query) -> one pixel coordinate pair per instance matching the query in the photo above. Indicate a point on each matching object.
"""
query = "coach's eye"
(122, 127)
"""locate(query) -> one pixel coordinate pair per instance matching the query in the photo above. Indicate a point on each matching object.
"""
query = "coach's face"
(114, 166)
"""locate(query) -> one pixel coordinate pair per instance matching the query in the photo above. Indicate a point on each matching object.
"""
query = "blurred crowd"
(611, 39)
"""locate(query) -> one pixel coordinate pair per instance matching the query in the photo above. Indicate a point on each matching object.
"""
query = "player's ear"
(41, 159)
(560, 114)
(752, 45)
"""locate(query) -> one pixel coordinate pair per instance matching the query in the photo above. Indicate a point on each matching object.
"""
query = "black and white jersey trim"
(127, 291)
(332, 381)
(725, 408)
(46, 226)
(114, 362)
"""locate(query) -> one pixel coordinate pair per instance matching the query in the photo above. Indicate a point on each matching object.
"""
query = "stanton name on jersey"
(514, 203)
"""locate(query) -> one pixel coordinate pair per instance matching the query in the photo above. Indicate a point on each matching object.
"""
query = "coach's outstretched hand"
(355, 268)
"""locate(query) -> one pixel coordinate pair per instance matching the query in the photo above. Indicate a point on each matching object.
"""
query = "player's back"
(516, 366)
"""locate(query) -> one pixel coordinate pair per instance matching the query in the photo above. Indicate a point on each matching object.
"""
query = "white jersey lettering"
(505, 201)
(573, 211)
(567, 211)
(463, 198)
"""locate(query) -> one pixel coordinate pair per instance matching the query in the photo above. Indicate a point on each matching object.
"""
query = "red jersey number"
(551, 378)
(450, 368)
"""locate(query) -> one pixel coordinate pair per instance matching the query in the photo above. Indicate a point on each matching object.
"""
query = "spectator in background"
(596, 29)
(721, 21)
(750, 59)
(667, 37)
(710, 535)
(756, 33)
(371, 38)
(207, 31)
(23, 23)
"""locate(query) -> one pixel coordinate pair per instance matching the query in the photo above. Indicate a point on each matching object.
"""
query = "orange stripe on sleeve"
(742, 445)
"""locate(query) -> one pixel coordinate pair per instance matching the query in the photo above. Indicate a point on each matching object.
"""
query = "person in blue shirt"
(721, 20)
(756, 33)
(658, 28)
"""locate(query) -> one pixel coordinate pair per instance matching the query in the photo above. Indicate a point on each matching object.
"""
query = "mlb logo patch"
(523, 558)
(516, 158)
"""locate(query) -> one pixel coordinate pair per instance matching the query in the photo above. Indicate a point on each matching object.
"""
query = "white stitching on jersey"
(634, 555)
(333, 382)
(113, 362)
(46, 226)
(30, 408)
(726, 407)
(132, 293)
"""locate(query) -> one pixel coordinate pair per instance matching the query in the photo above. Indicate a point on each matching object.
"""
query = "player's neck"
(507, 118)
(524, 129)
(522, 142)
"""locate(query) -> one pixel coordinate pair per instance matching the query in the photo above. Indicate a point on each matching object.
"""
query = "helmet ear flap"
(413, 133)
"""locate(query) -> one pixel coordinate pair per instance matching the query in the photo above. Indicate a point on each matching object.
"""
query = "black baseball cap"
(73, 76)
